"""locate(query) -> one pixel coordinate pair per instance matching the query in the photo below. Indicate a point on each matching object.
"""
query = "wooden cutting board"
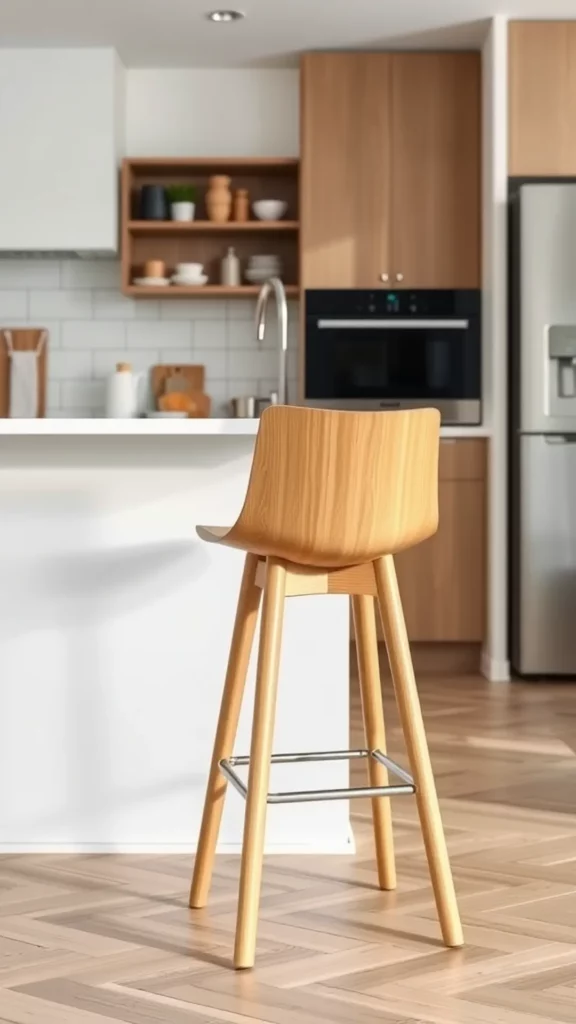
(193, 375)
(23, 339)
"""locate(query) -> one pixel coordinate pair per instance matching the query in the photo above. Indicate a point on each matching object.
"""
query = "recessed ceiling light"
(225, 16)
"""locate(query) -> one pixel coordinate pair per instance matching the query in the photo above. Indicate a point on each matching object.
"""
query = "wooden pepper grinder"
(241, 205)
(219, 199)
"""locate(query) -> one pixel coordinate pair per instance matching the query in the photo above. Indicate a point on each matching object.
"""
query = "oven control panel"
(403, 303)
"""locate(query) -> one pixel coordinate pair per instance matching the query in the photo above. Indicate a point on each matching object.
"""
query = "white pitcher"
(122, 392)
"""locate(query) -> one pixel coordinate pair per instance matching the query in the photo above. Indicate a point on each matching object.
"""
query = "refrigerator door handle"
(560, 438)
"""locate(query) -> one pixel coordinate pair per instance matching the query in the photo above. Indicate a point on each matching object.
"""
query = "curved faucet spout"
(274, 286)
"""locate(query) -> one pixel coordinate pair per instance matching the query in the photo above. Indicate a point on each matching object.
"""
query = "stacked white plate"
(262, 268)
(151, 282)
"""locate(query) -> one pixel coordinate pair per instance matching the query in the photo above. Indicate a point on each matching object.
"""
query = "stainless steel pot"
(243, 407)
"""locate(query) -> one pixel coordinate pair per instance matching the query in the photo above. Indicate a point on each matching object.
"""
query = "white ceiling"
(174, 33)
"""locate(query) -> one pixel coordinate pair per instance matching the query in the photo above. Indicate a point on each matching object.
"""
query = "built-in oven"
(394, 350)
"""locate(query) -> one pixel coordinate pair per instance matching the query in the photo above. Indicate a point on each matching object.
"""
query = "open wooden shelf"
(208, 291)
(193, 227)
(204, 241)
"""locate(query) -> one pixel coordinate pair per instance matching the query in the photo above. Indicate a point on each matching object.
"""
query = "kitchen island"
(114, 632)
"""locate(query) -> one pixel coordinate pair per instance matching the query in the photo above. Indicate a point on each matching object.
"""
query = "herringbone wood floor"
(92, 939)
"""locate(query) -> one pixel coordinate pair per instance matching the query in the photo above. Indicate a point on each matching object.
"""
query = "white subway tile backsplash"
(54, 331)
(80, 273)
(93, 334)
(13, 304)
(218, 392)
(215, 361)
(176, 356)
(104, 363)
(61, 305)
(242, 334)
(159, 335)
(40, 273)
(70, 365)
(246, 364)
(210, 334)
(82, 394)
(112, 305)
(236, 388)
(92, 326)
(193, 309)
(240, 309)
(52, 397)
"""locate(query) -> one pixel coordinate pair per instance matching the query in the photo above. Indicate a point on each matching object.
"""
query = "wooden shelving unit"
(196, 227)
(208, 291)
(201, 240)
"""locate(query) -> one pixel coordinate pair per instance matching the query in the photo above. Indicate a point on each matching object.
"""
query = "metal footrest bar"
(407, 786)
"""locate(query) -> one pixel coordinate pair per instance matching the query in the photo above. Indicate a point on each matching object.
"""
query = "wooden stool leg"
(259, 772)
(417, 746)
(374, 730)
(240, 648)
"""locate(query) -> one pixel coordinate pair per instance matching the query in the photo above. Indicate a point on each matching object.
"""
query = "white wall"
(212, 112)
(495, 338)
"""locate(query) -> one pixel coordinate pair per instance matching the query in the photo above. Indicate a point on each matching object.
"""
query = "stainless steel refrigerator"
(543, 431)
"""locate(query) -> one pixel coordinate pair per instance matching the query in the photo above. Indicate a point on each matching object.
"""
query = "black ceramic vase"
(153, 203)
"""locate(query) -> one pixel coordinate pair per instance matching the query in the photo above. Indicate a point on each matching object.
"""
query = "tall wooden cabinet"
(345, 170)
(542, 98)
(443, 580)
(390, 172)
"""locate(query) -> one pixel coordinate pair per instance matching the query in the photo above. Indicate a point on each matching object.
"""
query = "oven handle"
(450, 325)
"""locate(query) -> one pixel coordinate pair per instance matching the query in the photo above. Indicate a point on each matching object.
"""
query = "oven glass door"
(389, 360)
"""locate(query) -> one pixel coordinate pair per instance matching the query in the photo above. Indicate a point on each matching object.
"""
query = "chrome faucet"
(275, 285)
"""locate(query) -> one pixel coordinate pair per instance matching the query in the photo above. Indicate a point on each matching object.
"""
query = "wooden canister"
(219, 199)
(241, 205)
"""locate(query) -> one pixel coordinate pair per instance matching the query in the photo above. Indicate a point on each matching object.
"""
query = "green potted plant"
(182, 200)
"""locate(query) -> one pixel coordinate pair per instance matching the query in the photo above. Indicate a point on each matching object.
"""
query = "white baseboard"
(347, 846)
(493, 669)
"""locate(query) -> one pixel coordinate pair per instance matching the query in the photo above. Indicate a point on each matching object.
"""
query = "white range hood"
(62, 136)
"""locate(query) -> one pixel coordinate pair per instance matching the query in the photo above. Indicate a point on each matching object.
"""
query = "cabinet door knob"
(384, 277)
(399, 277)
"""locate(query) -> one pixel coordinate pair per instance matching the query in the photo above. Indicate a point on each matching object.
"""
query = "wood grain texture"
(345, 173)
(240, 649)
(436, 169)
(542, 97)
(201, 242)
(375, 734)
(443, 580)
(259, 770)
(335, 489)
(91, 939)
(410, 713)
(23, 339)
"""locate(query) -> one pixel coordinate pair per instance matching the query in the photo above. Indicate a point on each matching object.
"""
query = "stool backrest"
(334, 488)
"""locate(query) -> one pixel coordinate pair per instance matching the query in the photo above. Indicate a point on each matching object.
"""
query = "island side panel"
(115, 622)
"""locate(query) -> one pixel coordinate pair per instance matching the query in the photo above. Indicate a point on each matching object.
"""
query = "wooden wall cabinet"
(443, 580)
(390, 174)
(542, 98)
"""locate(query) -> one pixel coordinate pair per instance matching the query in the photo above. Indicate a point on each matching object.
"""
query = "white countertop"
(159, 428)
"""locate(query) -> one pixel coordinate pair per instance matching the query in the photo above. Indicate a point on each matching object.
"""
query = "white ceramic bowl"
(257, 276)
(190, 282)
(269, 209)
(189, 269)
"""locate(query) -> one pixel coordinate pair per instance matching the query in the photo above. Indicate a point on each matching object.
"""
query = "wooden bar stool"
(332, 497)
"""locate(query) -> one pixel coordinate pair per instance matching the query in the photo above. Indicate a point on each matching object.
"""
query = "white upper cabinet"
(61, 132)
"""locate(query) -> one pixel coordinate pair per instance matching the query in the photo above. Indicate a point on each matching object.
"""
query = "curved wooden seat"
(332, 496)
(338, 488)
